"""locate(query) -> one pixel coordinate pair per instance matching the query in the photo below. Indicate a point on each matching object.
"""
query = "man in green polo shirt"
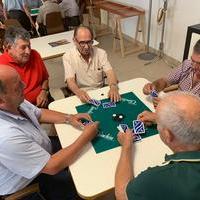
(178, 119)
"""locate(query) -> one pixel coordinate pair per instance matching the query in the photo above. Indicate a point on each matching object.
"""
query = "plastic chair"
(54, 23)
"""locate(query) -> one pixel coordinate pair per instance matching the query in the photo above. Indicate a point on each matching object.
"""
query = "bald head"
(6, 73)
(83, 31)
(180, 113)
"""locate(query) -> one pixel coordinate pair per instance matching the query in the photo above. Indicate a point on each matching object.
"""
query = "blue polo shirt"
(24, 148)
(178, 179)
(14, 4)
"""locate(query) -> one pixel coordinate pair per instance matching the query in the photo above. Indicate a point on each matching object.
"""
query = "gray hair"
(12, 34)
(177, 120)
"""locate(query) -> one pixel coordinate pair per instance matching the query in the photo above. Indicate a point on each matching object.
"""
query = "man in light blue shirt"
(25, 149)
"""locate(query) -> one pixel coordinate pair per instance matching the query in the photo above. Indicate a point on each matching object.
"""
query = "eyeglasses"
(83, 43)
(195, 62)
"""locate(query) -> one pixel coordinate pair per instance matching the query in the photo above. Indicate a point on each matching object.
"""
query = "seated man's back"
(178, 179)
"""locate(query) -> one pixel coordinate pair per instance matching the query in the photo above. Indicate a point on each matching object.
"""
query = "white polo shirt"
(24, 148)
(88, 75)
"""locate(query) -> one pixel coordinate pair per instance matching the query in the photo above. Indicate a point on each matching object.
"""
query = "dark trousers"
(55, 187)
(59, 186)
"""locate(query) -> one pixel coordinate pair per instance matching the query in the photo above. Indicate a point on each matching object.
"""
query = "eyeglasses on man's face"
(83, 43)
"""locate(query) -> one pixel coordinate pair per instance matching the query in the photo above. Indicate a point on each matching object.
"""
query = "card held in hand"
(154, 93)
(138, 127)
(95, 102)
(124, 127)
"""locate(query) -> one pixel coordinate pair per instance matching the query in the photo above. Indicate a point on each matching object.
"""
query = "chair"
(54, 23)
(31, 189)
(12, 22)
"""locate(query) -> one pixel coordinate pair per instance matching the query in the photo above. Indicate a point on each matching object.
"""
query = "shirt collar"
(4, 112)
(190, 156)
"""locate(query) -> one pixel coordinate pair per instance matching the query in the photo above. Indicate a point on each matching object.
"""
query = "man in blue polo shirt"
(178, 119)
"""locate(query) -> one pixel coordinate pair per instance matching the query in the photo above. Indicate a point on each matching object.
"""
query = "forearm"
(50, 116)
(112, 79)
(124, 172)
(5, 14)
(160, 84)
(26, 10)
(71, 84)
(66, 156)
(45, 85)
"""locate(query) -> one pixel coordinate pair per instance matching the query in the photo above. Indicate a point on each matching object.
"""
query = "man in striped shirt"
(186, 76)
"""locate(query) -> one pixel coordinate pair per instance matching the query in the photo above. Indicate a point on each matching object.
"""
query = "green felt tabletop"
(130, 106)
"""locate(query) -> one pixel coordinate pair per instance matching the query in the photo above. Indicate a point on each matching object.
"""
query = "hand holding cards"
(154, 93)
(95, 102)
(138, 128)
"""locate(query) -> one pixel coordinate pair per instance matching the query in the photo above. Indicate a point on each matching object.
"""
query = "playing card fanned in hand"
(154, 93)
(138, 127)
(95, 102)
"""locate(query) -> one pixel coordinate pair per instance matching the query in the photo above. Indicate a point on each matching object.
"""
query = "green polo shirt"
(177, 179)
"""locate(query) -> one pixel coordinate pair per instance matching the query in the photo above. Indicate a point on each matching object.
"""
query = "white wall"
(180, 15)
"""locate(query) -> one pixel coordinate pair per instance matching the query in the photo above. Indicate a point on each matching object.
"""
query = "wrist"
(115, 85)
(68, 118)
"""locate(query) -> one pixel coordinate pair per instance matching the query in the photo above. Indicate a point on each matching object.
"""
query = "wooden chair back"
(54, 23)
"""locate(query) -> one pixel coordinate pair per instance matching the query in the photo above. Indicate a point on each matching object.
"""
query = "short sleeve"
(37, 111)
(68, 68)
(22, 155)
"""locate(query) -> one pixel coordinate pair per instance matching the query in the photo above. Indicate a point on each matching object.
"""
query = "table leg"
(121, 40)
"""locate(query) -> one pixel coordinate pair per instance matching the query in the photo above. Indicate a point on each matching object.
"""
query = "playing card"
(86, 122)
(124, 127)
(120, 128)
(138, 127)
(109, 104)
(137, 137)
(154, 93)
(95, 102)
